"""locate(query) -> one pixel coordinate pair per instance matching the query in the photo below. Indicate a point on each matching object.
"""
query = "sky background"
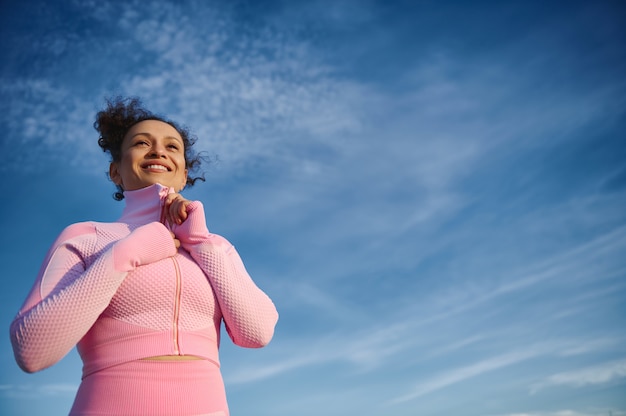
(432, 192)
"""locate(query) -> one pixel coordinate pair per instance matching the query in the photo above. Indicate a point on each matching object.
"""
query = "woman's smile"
(156, 168)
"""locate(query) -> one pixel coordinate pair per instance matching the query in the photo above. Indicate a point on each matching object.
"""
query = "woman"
(143, 298)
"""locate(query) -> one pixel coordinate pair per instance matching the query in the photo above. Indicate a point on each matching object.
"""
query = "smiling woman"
(126, 129)
(143, 298)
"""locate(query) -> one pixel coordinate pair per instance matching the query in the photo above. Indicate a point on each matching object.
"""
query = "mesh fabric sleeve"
(68, 296)
(249, 314)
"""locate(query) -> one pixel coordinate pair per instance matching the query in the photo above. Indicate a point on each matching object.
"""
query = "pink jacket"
(121, 292)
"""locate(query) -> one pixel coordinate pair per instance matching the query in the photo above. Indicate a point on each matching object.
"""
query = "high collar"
(145, 205)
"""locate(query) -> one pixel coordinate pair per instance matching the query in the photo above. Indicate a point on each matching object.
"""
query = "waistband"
(117, 342)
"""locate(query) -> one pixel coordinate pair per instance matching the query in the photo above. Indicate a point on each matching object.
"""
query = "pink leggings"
(152, 388)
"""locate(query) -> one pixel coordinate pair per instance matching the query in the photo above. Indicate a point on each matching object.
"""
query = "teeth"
(159, 167)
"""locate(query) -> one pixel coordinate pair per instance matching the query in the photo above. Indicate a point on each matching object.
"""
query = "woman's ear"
(114, 174)
(184, 184)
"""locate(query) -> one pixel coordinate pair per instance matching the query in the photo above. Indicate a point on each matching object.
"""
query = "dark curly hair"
(120, 115)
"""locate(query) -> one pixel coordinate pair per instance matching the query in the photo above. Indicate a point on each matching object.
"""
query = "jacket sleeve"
(249, 314)
(68, 296)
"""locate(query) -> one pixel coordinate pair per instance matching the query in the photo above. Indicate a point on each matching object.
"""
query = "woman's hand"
(175, 209)
(186, 220)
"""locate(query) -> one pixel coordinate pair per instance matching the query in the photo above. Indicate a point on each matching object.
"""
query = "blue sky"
(432, 192)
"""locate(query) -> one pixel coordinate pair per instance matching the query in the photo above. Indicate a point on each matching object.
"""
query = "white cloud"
(462, 373)
(38, 391)
(412, 329)
(598, 412)
(597, 374)
(257, 373)
(367, 181)
(248, 92)
(406, 328)
(594, 345)
(303, 294)
(47, 125)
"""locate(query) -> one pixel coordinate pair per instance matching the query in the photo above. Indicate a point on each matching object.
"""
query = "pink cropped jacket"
(122, 291)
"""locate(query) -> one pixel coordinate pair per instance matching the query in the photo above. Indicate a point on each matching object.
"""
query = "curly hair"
(119, 116)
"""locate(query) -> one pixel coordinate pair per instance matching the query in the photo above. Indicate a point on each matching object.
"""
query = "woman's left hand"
(176, 209)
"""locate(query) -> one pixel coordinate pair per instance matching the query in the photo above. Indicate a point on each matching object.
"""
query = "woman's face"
(152, 152)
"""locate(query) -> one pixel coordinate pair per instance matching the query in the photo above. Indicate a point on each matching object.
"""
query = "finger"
(182, 210)
(171, 197)
(170, 207)
(178, 210)
(173, 212)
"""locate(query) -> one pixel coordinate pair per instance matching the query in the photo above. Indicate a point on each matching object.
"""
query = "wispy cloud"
(417, 326)
(612, 371)
(598, 412)
(425, 212)
(249, 92)
(592, 375)
(304, 294)
(460, 374)
(38, 391)
(44, 123)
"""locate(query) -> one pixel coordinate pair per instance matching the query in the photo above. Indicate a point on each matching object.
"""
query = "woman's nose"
(157, 151)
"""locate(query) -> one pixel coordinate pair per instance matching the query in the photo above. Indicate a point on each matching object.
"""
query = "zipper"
(176, 308)
(175, 332)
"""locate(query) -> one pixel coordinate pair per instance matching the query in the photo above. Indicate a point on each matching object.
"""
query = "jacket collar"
(145, 205)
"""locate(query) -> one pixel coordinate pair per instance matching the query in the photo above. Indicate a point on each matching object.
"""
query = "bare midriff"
(173, 358)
